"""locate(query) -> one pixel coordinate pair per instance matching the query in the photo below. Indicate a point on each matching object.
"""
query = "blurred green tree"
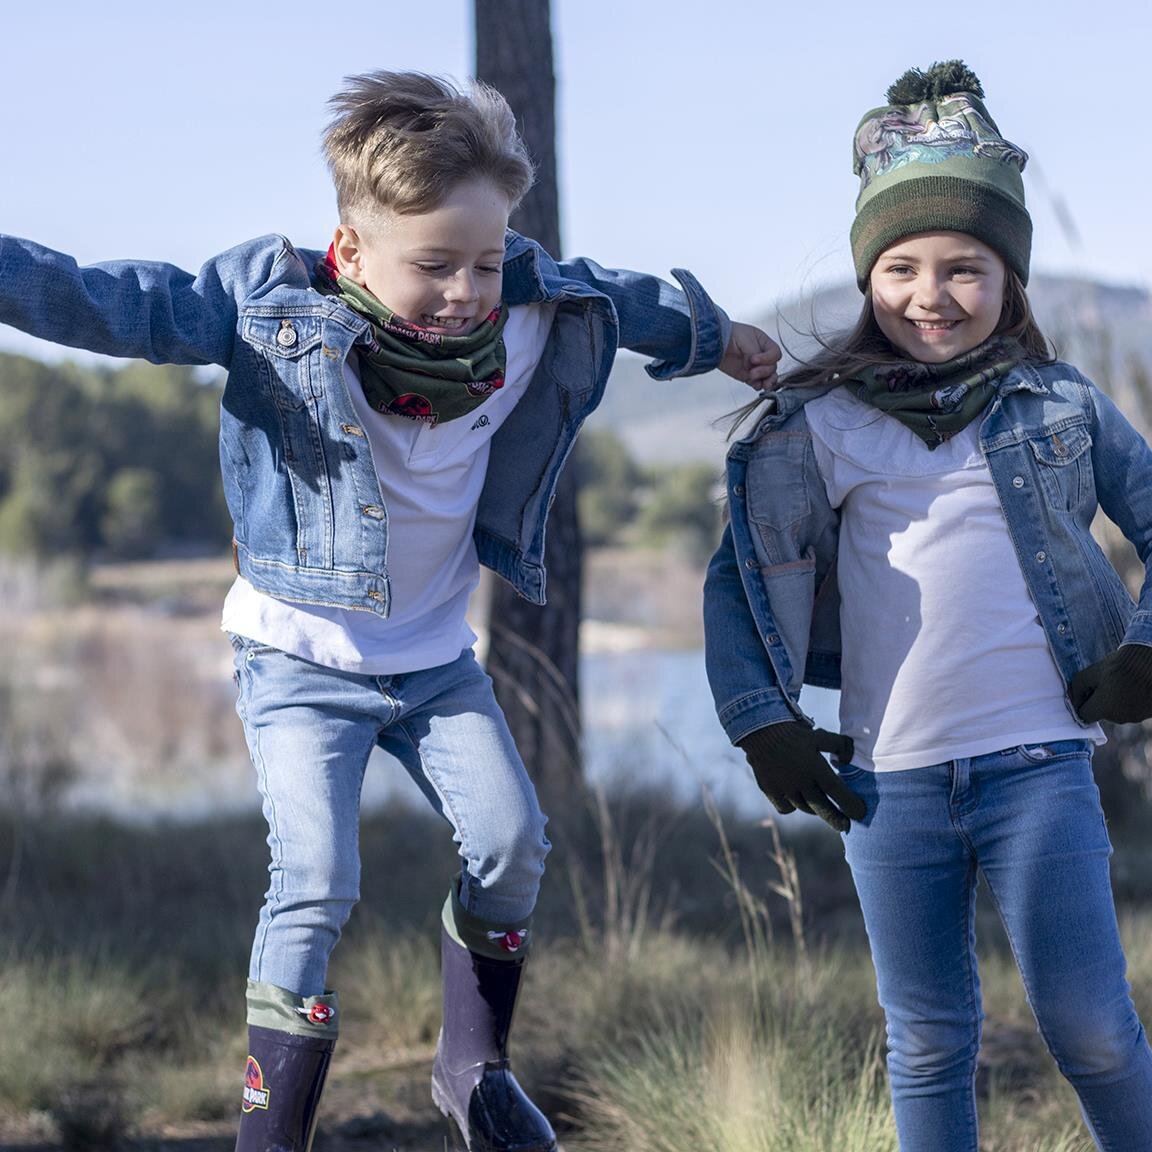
(608, 481)
(683, 509)
(107, 461)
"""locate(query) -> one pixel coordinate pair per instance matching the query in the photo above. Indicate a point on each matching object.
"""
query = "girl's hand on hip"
(790, 770)
(1117, 688)
(752, 357)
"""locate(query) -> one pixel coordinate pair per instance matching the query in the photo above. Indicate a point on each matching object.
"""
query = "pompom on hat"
(931, 160)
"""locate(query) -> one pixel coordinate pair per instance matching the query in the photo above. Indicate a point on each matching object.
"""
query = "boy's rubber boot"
(285, 1073)
(471, 1080)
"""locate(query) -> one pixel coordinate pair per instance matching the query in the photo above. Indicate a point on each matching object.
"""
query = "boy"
(396, 413)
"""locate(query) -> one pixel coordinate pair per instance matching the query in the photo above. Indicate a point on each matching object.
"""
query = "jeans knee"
(329, 884)
(1099, 1051)
(932, 1054)
(505, 870)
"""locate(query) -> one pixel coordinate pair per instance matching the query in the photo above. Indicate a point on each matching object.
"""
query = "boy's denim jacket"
(310, 523)
(1055, 446)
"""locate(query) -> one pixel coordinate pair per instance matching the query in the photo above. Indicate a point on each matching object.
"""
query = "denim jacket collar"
(531, 276)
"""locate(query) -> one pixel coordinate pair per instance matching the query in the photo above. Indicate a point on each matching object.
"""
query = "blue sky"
(711, 136)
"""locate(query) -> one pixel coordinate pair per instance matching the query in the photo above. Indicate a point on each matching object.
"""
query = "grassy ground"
(696, 987)
(698, 984)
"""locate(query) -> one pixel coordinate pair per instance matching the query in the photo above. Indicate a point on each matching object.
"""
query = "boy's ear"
(349, 258)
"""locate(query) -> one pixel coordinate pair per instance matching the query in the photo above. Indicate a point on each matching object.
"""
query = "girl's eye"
(430, 267)
(489, 269)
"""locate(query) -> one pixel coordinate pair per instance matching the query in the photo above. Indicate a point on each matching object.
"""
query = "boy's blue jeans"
(310, 730)
(1029, 819)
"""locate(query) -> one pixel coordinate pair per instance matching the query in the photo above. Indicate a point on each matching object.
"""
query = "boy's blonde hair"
(404, 140)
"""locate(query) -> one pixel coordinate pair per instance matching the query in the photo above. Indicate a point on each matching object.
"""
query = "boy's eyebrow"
(433, 250)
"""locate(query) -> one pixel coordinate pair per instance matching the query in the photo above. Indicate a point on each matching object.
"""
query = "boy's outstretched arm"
(153, 311)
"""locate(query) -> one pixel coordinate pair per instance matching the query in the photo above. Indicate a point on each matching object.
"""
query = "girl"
(910, 523)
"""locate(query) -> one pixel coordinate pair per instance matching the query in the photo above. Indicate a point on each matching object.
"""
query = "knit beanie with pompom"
(931, 160)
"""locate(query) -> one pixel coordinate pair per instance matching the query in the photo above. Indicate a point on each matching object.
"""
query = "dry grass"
(702, 983)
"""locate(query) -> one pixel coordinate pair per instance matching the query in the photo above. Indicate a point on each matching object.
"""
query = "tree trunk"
(533, 653)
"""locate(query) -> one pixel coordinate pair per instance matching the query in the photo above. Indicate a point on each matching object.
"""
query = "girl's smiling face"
(937, 295)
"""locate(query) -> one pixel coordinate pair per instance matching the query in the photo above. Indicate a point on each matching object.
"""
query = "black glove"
(1117, 688)
(787, 764)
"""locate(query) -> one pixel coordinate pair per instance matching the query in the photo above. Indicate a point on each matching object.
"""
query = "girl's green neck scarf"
(938, 400)
(409, 371)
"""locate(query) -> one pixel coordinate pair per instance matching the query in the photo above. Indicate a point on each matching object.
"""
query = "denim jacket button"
(1062, 628)
(750, 564)
(286, 337)
(1017, 481)
(738, 490)
(1041, 557)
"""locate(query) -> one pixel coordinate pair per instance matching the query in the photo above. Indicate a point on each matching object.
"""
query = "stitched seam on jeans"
(446, 805)
(276, 887)
(974, 1003)
(1023, 975)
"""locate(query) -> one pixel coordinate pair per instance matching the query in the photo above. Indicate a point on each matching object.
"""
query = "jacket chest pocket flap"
(284, 348)
(778, 482)
(1063, 462)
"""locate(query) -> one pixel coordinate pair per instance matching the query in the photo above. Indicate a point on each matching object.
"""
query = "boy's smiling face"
(441, 270)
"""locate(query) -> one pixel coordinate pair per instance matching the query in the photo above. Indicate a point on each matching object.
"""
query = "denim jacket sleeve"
(745, 686)
(682, 330)
(1122, 469)
(144, 309)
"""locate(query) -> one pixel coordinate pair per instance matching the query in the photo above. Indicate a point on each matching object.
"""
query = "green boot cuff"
(272, 1007)
(496, 941)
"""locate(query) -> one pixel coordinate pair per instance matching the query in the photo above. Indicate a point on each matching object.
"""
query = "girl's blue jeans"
(310, 730)
(1030, 820)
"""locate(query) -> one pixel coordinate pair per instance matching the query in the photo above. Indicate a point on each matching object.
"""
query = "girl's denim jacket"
(1056, 448)
(310, 523)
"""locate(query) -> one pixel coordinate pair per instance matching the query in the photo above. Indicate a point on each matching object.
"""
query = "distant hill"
(1101, 328)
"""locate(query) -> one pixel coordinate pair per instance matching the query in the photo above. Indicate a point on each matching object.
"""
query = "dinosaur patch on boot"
(255, 1094)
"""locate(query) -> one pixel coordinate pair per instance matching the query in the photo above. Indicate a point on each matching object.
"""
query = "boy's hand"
(787, 764)
(751, 356)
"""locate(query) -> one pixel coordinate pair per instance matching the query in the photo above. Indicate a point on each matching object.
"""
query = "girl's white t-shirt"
(430, 480)
(944, 655)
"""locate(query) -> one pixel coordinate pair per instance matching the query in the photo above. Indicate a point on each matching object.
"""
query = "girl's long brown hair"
(842, 356)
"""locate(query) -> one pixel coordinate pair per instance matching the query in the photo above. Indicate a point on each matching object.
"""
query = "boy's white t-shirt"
(944, 655)
(430, 480)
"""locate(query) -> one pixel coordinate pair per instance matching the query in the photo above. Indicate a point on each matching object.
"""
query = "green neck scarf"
(411, 372)
(937, 400)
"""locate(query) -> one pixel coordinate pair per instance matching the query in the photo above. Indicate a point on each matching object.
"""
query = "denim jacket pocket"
(777, 482)
(791, 590)
(283, 345)
(1064, 462)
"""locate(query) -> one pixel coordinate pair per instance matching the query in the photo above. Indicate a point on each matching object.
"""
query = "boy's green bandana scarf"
(409, 371)
(938, 400)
